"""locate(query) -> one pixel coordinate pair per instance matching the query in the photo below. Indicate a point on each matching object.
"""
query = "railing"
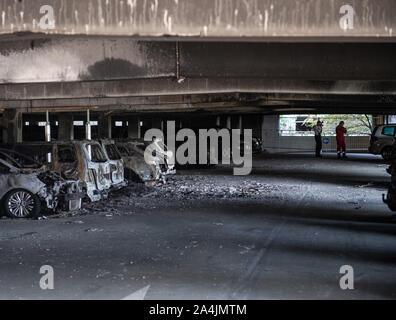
(305, 142)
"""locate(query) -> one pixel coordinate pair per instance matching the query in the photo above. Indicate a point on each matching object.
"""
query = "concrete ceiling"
(255, 19)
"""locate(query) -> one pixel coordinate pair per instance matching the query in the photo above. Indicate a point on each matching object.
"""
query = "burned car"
(159, 153)
(25, 186)
(159, 164)
(84, 160)
(116, 163)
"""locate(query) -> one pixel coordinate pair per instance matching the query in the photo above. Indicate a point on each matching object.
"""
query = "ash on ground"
(184, 189)
(193, 187)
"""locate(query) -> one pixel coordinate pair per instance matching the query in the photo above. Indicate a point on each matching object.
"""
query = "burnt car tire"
(386, 153)
(20, 203)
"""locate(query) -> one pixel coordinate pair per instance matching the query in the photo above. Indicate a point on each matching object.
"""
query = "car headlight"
(42, 192)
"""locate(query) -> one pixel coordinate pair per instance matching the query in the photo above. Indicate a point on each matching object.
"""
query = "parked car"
(116, 163)
(84, 160)
(382, 139)
(26, 185)
(390, 198)
(135, 165)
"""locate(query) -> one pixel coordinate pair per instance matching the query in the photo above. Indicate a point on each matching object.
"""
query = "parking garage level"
(224, 150)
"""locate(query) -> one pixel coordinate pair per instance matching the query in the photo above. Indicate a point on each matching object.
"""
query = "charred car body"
(25, 186)
(116, 163)
(158, 163)
(83, 160)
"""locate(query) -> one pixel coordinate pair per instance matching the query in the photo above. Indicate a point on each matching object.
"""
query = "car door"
(4, 174)
(67, 161)
(387, 136)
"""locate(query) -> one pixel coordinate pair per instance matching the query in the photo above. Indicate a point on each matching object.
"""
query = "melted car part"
(116, 164)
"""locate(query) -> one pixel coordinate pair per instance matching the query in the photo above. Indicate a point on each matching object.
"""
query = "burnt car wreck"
(116, 163)
(159, 163)
(83, 160)
(26, 187)
(60, 174)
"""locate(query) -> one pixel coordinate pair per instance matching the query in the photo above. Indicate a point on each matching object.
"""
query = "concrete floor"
(284, 235)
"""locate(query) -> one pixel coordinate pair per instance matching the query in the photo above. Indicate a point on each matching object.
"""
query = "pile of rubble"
(181, 188)
(196, 187)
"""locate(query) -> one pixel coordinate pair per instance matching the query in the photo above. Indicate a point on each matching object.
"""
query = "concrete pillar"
(47, 127)
(218, 121)
(229, 124)
(12, 126)
(240, 124)
(88, 131)
(65, 126)
(378, 119)
(134, 127)
(270, 133)
(104, 126)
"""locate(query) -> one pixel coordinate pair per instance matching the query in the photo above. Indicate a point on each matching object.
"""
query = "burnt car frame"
(145, 170)
(25, 186)
(83, 160)
(116, 163)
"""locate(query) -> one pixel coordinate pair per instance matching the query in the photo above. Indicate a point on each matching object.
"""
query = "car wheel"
(386, 153)
(20, 203)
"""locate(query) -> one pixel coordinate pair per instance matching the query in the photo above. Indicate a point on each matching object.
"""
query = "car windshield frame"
(89, 147)
(112, 152)
(17, 164)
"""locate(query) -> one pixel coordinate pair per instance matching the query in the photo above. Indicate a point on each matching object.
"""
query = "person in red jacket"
(341, 147)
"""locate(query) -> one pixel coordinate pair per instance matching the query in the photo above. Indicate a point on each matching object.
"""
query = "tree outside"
(356, 124)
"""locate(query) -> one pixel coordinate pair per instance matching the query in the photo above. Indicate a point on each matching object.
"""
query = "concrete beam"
(167, 90)
(89, 61)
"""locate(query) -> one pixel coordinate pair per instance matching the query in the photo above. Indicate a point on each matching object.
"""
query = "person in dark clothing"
(318, 138)
(340, 136)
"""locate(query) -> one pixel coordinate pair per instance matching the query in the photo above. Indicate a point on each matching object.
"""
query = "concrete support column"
(378, 119)
(65, 126)
(12, 126)
(134, 127)
(229, 123)
(104, 126)
(88, 131)
(47, 127)
(240, 123)
(270, 133)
